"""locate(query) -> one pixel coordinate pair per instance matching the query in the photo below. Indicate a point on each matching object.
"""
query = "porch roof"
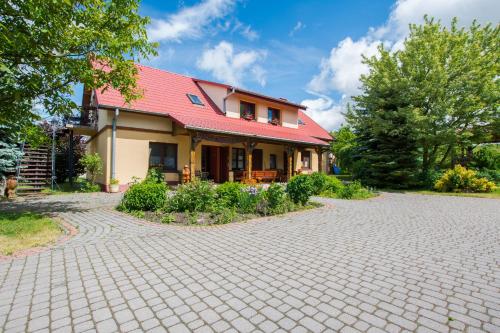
(164, 93)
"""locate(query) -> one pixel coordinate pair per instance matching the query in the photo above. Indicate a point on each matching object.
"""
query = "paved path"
(390, 264)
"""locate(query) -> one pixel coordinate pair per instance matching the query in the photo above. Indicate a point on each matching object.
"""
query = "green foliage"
(229, 193)
(300, 189)
(195, 196)
(348, 191)
(438, 92)
(93, 165)
(114, 181)
(487, 157)
(88, 187)
(277, 199)
(144, 197)
(491, 175)
(343, 146)
(155, 176)
(460, 179)
(46, 47)
(251, 201)
(318, 181)
(168, 218)
(223, 215)
(10, 153)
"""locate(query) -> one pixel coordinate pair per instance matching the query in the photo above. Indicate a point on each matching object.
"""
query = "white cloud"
(342, 69)
(245, 30)
(298, 26)
(340, 72)
(232, 67)
(189, 22)
(325, 111)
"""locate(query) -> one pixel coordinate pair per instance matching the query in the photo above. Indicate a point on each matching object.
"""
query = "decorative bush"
(154, 176)
(277, 199)
(196, 196)
(144, 197)
(223, 215)
(319, 181)
(248, 200)
(333, 184)
(491, 175)
(93, 165)
(229, 193)
(350, 190)
(300, 189)
(459, 179)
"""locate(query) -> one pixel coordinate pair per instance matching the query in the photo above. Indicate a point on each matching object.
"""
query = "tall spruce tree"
(386, 148)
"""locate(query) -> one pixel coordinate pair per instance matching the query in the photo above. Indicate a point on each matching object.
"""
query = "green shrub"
(491, 175)
(88, 187)
(460, 179)
(333, 184)
(223, 215)
(229, 193)
(319, 181)
(350, 190)
(248, 200)
(93, 166)
(168, 218)
(300, 189)
(195, 196)
(154, 176)
(487, 157)
(277, 200)
(144, 197)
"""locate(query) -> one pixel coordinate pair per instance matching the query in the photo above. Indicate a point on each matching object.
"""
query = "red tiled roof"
(164, 93)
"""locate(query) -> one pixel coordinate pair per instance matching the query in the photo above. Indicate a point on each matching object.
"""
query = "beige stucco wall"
(135, 120)
(289, 115)
(216, 93)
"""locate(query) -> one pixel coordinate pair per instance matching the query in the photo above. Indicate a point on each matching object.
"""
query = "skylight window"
(194, 99)
(301, 122)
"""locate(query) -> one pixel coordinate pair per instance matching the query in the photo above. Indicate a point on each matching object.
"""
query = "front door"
(224, 164)
(257, 159)
(214, 161)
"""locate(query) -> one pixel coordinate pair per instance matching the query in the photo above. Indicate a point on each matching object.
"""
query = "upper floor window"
(163, 156)
(273, 116)
(247, 110)
(194, 99)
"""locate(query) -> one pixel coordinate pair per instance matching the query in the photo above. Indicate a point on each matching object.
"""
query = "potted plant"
(11, 185)
(248, 116)
(275, 122)
(114, 185)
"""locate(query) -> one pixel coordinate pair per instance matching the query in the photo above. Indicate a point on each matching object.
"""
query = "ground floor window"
(306, 159)
(163, 156)
(272, 162)
(238, 159)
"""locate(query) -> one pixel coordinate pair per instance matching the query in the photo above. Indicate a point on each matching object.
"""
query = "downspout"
(225, 98)
(113, 144)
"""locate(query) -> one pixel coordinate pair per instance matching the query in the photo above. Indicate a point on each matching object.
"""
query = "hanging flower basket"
(275, 122)
(248, 116)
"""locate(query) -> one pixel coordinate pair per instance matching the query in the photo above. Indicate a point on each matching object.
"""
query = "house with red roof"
(216, 131)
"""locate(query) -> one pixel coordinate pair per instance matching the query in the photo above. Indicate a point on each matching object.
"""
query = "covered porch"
(223, 158)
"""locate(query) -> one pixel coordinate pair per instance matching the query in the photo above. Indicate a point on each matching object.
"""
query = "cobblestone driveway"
(390, 264)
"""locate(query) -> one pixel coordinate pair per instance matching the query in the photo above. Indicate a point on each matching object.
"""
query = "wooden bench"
(265, 175)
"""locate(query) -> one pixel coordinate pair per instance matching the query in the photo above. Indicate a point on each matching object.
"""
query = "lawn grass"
(66, 188)
(359, 195)
(19, 231)
(491, 195)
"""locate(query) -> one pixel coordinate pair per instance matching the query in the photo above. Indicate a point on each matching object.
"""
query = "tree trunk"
(448, 150)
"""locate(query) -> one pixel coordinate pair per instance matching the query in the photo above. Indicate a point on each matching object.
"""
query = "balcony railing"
(87, 118)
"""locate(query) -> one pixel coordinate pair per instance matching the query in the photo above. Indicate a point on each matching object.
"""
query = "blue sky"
(306, 51)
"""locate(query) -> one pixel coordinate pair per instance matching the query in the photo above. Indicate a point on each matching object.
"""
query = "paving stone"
(395, 263)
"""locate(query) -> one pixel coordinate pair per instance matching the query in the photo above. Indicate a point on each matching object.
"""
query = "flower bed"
(204, 203)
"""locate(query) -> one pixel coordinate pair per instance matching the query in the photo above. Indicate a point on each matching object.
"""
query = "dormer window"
(247, 110)
(273, 116)
(194, 99)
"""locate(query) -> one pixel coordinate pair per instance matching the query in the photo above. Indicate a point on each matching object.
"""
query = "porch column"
(192, 159)
(249, 147)
(289, 156)
(319, 151)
